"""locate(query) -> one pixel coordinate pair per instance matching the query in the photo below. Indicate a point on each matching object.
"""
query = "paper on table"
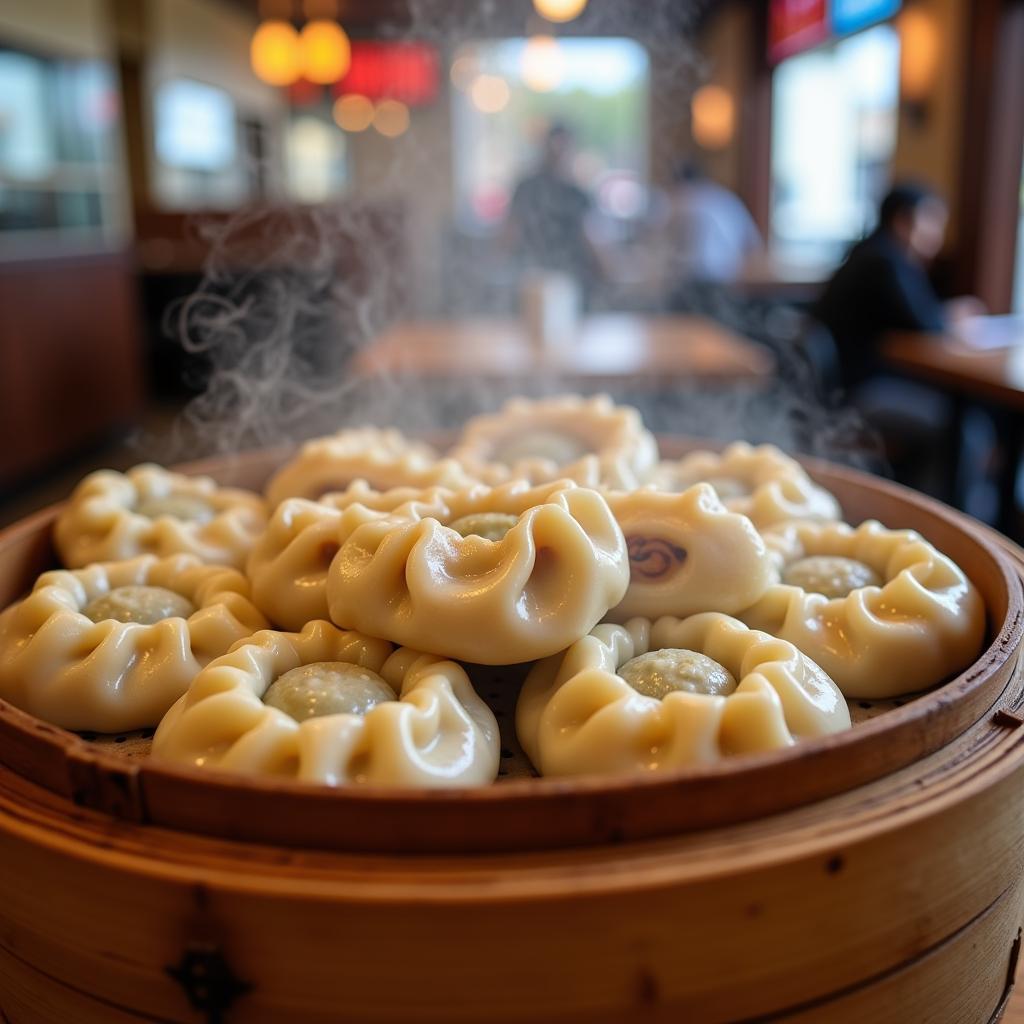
(991, 332)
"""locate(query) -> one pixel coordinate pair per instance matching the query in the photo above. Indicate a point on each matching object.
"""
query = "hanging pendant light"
(559, 10)
(326, 52)
(275, 54)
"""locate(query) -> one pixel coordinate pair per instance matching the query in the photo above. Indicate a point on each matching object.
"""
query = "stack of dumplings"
(340, 629)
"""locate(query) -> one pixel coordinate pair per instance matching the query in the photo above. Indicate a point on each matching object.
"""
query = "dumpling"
(151, 511)
(687, 554)
(504, 575)
(335, 708)
(110, 647)
(671, 694)
(762, 483)
(288, 566)
(381, 458)
(588, 440)
(882, 611)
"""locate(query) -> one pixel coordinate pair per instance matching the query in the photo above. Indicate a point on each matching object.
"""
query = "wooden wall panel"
(70, 358)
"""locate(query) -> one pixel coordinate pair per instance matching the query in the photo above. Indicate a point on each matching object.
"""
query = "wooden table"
(609, 348)
(995, 374)
(990, 376)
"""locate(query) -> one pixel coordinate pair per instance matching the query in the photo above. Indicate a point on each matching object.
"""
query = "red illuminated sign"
(395, 71)
(795, 25)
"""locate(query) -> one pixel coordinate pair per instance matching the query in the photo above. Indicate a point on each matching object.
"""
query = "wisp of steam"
(290, 294)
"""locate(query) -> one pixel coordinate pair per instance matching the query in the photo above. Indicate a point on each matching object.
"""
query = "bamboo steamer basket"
(874, 875)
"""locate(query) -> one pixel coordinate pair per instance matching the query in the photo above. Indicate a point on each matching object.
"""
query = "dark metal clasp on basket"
(207, 980)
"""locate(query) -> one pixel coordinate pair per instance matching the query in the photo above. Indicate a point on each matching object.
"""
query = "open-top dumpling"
(762, 483)
(336, 708)
(671, 694)
(882, 611)
(588, 440)
(152, 511)
(110, 647)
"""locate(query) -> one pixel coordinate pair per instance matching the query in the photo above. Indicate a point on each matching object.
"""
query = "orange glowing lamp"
(713, 117)
(275, 54)
(325, 51)
(920, 54)
(559, 10)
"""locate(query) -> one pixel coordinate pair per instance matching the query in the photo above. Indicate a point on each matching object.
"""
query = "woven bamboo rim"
(532, 813)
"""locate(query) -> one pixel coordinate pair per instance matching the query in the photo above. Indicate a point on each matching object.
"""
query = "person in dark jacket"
(883, 283)
(883, 286)
(547, 218)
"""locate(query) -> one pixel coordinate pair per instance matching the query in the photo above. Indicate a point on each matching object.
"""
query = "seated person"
(883, 283)
(712, 235)
(883, 286)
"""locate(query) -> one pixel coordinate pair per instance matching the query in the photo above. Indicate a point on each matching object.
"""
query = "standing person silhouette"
(546, 225)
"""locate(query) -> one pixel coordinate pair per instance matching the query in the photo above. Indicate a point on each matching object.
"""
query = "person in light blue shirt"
(711, 234)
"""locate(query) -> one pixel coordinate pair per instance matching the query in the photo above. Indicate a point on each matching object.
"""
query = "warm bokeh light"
(543, 64)
(463, 72)
(920, 53)
(326, 51)
(354, 113)
(559, 10)
(713, 114)
(489, 94)
(391, 118)
(275, 54)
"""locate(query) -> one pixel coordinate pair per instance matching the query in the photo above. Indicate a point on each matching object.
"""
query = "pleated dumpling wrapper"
(591, 441)
(882, 611)
(762, 483)
(151, 511)
(336, 708)
(110, 647)
(672, 694)
(381, 458)
(688, 553)
(289, 564)
(505, 575)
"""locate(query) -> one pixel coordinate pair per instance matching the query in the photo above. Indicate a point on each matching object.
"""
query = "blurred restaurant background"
(227, 223)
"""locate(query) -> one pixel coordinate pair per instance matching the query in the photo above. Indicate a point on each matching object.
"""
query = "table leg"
(1011, 440)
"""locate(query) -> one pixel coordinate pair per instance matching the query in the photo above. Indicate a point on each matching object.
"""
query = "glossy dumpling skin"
(577, 715)
(438, 733)
(112, 676)
(106, 519)
(549, 580)
(923, 624)
(688, 553)
(289, 564)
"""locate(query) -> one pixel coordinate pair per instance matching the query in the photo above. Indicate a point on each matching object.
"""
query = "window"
(199, 153)
(508, 92)
(315, 159)
(833, 137)
(195, 126)
(59, 158)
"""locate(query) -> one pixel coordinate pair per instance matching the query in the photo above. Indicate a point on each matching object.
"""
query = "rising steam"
(289, 296)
